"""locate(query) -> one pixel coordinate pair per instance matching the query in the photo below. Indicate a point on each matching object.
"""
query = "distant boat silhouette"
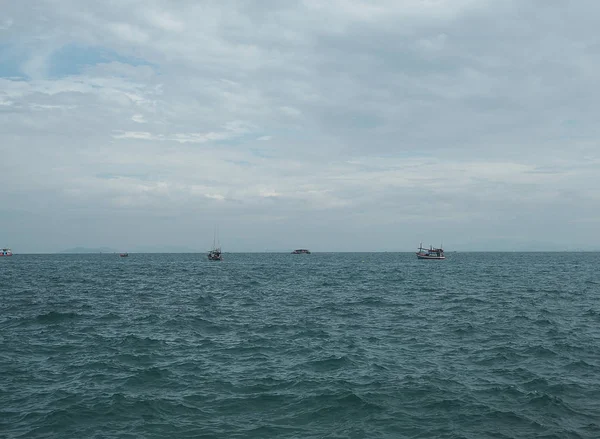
(301, 251)
(215, 253)
(431, 253)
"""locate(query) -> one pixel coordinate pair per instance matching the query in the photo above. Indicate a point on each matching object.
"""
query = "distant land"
(164, 249)
(89, 250)
(175, 249)
(142, 249)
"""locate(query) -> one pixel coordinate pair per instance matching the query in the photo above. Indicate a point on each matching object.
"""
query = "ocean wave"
(340, 404)
(372, 301)
(109, 317)
(139, 342)
(327, 364)
(539, 351)
(552, 403)
(53, 317)
(467, 328)
(582, 365)
(273, 346)
(158, 376)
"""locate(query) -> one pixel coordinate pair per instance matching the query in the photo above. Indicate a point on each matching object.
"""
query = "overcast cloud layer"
(332, 125)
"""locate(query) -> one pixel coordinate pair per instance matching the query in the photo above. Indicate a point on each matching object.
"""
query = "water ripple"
(326, 345)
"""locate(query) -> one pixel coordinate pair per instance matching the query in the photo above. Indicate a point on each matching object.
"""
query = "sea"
(327, 345)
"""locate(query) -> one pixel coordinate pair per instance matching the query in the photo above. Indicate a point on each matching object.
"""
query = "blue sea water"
(363, 345)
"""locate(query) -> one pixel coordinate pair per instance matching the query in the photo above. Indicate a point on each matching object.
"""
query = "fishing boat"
(431, 253)
(6, 252)
(301, 251)
(124, 255)
(215, 253)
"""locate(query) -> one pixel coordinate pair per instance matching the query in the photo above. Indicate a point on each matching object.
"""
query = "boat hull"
(431, 257)
(215, 257)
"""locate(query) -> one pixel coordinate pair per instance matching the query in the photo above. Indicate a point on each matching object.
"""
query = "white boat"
(6, 252)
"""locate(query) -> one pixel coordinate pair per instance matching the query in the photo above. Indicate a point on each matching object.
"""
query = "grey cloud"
(313, 120)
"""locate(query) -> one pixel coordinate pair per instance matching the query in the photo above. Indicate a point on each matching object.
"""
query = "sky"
(142, 125)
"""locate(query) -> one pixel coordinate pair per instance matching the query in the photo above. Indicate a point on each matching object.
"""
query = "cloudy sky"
(327, 124)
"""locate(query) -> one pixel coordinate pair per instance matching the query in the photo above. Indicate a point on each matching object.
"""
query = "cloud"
(463, 118)
(269, 193)
(141, 135)
(290, 111)
(164, 21)
(6, 24)
(129, 33)
(215, 196)
(230, 130)
(436, 43)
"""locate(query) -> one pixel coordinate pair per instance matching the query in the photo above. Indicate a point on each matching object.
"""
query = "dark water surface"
(491, 345)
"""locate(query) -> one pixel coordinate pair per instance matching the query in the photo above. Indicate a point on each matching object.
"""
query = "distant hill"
(135, 249)
(89, 250)
(164, 249)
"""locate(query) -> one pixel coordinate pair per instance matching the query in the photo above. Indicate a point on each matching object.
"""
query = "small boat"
(431, 253)
(215, 253)
(301, 251)
(124, 255)
(6, 252)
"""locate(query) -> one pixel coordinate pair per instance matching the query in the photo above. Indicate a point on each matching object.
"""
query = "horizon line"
(313, 252)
